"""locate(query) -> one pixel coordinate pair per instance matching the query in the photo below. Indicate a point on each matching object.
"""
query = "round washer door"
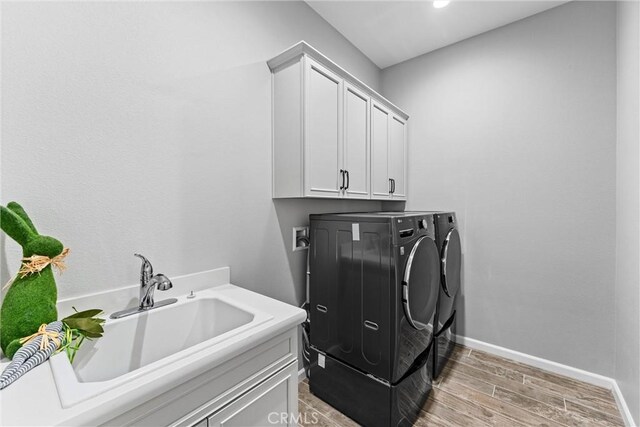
(420, 284)
(451, 263)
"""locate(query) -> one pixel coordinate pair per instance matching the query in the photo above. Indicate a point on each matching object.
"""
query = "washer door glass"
(420, 284)
(451, 263)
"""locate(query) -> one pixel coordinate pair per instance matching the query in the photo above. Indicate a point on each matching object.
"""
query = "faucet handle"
(162, 282)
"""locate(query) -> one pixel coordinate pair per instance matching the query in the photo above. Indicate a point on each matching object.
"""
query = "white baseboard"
(301, 375)
(538, 362)
(622, 405)
(557, 368)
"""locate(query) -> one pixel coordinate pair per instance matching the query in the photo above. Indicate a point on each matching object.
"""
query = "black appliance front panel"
(450, 281)
(419, 278)
(444, 343)
(368, 401)
(420, 283)
(450, 247)
(451, 263)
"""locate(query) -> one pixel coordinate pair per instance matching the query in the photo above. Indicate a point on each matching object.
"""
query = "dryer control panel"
(408, 228)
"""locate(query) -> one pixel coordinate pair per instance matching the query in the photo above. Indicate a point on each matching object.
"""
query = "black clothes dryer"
(449, 245)
(373, 291)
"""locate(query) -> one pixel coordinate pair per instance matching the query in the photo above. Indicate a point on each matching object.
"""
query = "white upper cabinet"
(381, 184)
(356, 143)
(333, 136)
(388, 154)
(322, 132)
(398, 157)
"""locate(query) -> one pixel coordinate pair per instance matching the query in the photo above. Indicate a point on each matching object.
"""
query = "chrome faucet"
(148, 283)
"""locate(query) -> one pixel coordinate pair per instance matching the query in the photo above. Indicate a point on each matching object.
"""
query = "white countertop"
(33, 399)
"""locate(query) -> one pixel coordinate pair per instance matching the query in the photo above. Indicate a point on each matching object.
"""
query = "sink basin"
(144, 338)
(152, 341)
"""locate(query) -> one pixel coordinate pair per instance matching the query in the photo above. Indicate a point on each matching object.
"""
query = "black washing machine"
(373, 291)
(450, 248)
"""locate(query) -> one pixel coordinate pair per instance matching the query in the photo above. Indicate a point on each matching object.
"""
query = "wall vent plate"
(300, 238)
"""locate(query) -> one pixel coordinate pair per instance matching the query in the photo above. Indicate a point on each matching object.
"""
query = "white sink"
(144, 338)
(136, 345)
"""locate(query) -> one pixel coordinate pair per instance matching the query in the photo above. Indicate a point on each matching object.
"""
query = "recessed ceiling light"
(439, 4)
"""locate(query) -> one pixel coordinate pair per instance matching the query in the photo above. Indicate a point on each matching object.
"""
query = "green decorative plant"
(78, 327)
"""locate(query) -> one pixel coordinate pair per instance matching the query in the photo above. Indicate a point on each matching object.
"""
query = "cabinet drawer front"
(274, 402)
(322, 124)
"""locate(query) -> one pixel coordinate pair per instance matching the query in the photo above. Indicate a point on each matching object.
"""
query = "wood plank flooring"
(481, 389)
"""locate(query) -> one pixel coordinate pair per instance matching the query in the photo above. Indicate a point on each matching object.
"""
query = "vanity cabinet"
(257, 388)
(388, 154)
(322, 131)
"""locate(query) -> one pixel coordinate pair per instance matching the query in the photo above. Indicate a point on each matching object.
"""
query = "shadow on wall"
(460, 302)
(393, 206)
(295, 212)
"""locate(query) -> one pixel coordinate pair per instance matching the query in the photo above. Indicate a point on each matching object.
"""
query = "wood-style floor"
(480, 389)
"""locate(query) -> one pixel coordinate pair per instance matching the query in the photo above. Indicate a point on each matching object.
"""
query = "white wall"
(627, 294)
(145, 127)
(515, 130)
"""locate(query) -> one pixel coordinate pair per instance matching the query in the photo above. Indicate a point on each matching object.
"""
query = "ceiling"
(389, 32)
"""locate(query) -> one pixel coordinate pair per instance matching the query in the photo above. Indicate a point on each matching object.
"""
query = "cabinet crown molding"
(302, 48)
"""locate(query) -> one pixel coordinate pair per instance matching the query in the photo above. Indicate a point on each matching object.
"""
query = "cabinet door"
(356, 143)
(397, 157)
(274, 402)
(322, 135)
(380, 187)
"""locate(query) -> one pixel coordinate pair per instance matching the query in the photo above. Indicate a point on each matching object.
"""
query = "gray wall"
(515, 130)
(627, 295)
(146, 127)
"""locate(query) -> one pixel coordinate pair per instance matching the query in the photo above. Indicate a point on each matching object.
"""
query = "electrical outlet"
(300, 238)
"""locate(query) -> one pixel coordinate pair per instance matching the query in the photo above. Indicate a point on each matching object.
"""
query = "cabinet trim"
(303, 48)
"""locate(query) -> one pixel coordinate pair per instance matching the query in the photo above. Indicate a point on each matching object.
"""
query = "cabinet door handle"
(348, 180)
(342, 173)
(390, 186)
(394, 185)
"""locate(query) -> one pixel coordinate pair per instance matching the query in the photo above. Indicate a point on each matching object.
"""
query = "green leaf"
(93, 334)
(84, 324)
(78, 327)
(87, 313)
